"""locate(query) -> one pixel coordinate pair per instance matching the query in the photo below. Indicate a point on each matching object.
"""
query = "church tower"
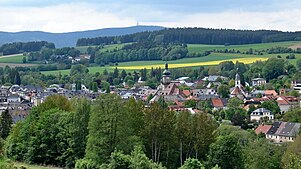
(166, 79)
(237, 80)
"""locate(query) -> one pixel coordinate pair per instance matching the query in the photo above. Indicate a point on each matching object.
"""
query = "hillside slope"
(69, 39)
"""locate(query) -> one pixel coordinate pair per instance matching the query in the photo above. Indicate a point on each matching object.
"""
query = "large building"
(283, 132)
(168, 89)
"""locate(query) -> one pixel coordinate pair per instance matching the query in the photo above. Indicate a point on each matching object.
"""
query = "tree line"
(113, 133)
(142, 51)
(20, 47)
(197, 36)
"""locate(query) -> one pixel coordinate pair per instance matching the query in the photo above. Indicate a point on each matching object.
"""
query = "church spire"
(166, 75)
(237, 79)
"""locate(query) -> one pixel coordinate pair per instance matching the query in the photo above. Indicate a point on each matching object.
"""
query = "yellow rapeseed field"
(208, 63)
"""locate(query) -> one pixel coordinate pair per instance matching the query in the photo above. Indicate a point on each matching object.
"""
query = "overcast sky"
(78, 15)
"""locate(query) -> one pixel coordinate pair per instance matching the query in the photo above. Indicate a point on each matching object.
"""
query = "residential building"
(258, 82)
(285, 103)
(260, 114)
(219, 103)
(262, 128)
(283, 132)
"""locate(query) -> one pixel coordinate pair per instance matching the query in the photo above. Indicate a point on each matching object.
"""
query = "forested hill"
(69, 39)
(197, 36)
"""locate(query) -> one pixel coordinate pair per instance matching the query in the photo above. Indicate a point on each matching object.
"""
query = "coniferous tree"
(5, 124)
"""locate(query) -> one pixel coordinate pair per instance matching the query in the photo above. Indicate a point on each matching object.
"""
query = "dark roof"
(274, 128)
(289, 129)
(284, 129)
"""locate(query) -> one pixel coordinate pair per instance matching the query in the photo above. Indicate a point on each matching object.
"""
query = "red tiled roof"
(236, 90)
(263, 129)
(282, 102)
(217, 102)
(178, 103)
(186, 93)
(270, 92)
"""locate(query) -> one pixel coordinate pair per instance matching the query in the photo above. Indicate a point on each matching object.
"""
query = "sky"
(78, 15)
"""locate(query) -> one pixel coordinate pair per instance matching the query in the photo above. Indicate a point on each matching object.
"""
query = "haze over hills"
(69, 39)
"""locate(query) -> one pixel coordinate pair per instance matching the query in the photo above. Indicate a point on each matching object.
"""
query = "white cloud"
(282, 20)
(83, 16)
(61, 18)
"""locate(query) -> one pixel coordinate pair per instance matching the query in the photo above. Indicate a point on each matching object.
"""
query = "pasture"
(212, 59)
(17, 58)
(200, 48)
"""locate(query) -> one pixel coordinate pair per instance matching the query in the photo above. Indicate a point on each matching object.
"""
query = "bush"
(86, 164)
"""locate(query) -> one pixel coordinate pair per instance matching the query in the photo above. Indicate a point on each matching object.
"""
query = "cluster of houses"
(19, 100)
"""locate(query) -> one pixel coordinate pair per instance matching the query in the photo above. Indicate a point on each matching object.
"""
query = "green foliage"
(86, 164)
(192, 163)
(292, 156)
(24, 60)
(226, 152)
(19, 47)
(105, 127)
(5, 124)
(293, 115)
(298, 64)
(158, 130)
(50, 134)
(273, 68)
(261, 154)
(190, 104)
(271, 105)
(223, 90)
(234, 103)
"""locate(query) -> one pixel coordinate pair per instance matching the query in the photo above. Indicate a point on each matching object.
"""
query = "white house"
(260, 114)
(258, 81)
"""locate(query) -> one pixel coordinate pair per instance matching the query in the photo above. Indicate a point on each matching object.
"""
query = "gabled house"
(219, 103)
(285, 103)
(260, 114)
(263, 128)
(283, 132)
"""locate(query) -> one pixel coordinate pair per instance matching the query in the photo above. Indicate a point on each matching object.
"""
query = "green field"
(19, 164)
(212, 59)
(18, 58)
(200, 48)
(83, 49)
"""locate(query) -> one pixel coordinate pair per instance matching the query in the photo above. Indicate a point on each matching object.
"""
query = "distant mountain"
(69, 39)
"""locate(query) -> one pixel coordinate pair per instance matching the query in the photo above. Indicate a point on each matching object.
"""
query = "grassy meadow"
(83, 49)
(200, 48)
(212, 59)
(17, 58)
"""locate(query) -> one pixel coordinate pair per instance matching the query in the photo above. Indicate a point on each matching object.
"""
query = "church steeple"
(237, 79)
(166, 75)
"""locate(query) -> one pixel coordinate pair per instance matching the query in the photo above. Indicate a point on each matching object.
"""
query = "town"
(150, 84)
(19, 100)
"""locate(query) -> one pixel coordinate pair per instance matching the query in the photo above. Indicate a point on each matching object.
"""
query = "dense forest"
(20, 47)
(142, 51)
(197, 36)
